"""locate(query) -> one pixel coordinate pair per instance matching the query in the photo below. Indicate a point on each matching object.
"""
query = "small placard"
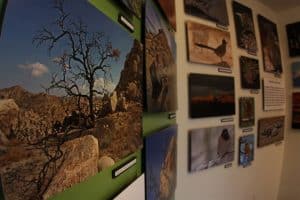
(225, 70)
(172, 115)
(228, 165)
(120, 170)
(246, 130)
(125, 22)
(252, 52)
(277, 75)
(229, 119)
(254, 91)
(222, 27)
(278, 143)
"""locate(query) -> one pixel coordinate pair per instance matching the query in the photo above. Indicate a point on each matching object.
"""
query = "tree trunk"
(91, 103)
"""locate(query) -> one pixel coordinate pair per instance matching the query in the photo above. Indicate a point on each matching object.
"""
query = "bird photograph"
(207, 45)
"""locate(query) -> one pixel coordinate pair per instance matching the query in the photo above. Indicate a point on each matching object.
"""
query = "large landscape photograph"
(70, 96)
(160, 55)
(211, 95)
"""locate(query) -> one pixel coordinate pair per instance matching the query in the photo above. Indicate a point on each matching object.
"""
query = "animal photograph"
(208, 45)
(247, 109)
(249, 68)
(210, 147)
(244, 27)
(270, 45)
(211, 96)
(296, 111)
(296, 74)
(270, 130)
(160, 59)
(135, 6)
(70, 96)
(161, 164)
(246, 150)
(168, 7)
(293, 32)
(212, 10)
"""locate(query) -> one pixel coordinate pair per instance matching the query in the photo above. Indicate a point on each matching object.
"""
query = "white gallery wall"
(290, 180)
(261, 180)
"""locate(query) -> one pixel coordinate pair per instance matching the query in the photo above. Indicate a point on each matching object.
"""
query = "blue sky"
(22, 63)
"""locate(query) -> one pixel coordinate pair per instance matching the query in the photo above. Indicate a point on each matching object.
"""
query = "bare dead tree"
(86, 57)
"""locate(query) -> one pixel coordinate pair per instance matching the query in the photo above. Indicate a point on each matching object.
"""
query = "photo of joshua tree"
(208, 45)
(160, 62)
(250, 78)
(296, 74)
(293, 32)
(168, 6)
(213, 10)
(211, 95)
(210, 147)
(244, 26)
(247, 108)
(161, 164)
(270, 45)
(270, 130)
(246, 147)
(296, 111)
(134, 6)
(70, 96)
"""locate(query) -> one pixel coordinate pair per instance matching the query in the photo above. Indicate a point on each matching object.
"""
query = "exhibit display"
(270, 130)
(247, 108)
(270, 45)
(211, 95)
(209, 147)
(293, 31)
(296, 74)
(71, 112)
(246, 150)
(208, 45)
(296, 110)
(168, 6)
(249, 69)
(160, 58)
(212, 10)
(244, 27)
(273, 94)
(161, 164)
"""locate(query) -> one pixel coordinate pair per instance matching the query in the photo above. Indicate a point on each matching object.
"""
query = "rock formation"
(105, 162)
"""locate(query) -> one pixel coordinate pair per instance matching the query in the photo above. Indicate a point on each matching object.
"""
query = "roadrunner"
(220, 51)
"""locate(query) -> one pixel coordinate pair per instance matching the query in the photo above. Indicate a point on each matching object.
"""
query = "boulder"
(81, 162)
(113, 101)
(9, 111)
(105, 162)
(7, 105)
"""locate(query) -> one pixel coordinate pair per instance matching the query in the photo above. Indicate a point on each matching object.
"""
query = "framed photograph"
(270, 45)
(209, 147)
(64, 123)
(161, 90)
(296, 111)
(211, 95)
(212, 10)
(244, 27)
(168, 7)
(161, 164)
(250, 78)
(270, 130)
(293, 32)
(296, 74)
(247, 110)
(246, 150)
(208, 45)
(134, 6)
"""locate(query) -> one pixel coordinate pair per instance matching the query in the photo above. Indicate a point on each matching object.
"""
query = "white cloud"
(99, 85)
(37, 69)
